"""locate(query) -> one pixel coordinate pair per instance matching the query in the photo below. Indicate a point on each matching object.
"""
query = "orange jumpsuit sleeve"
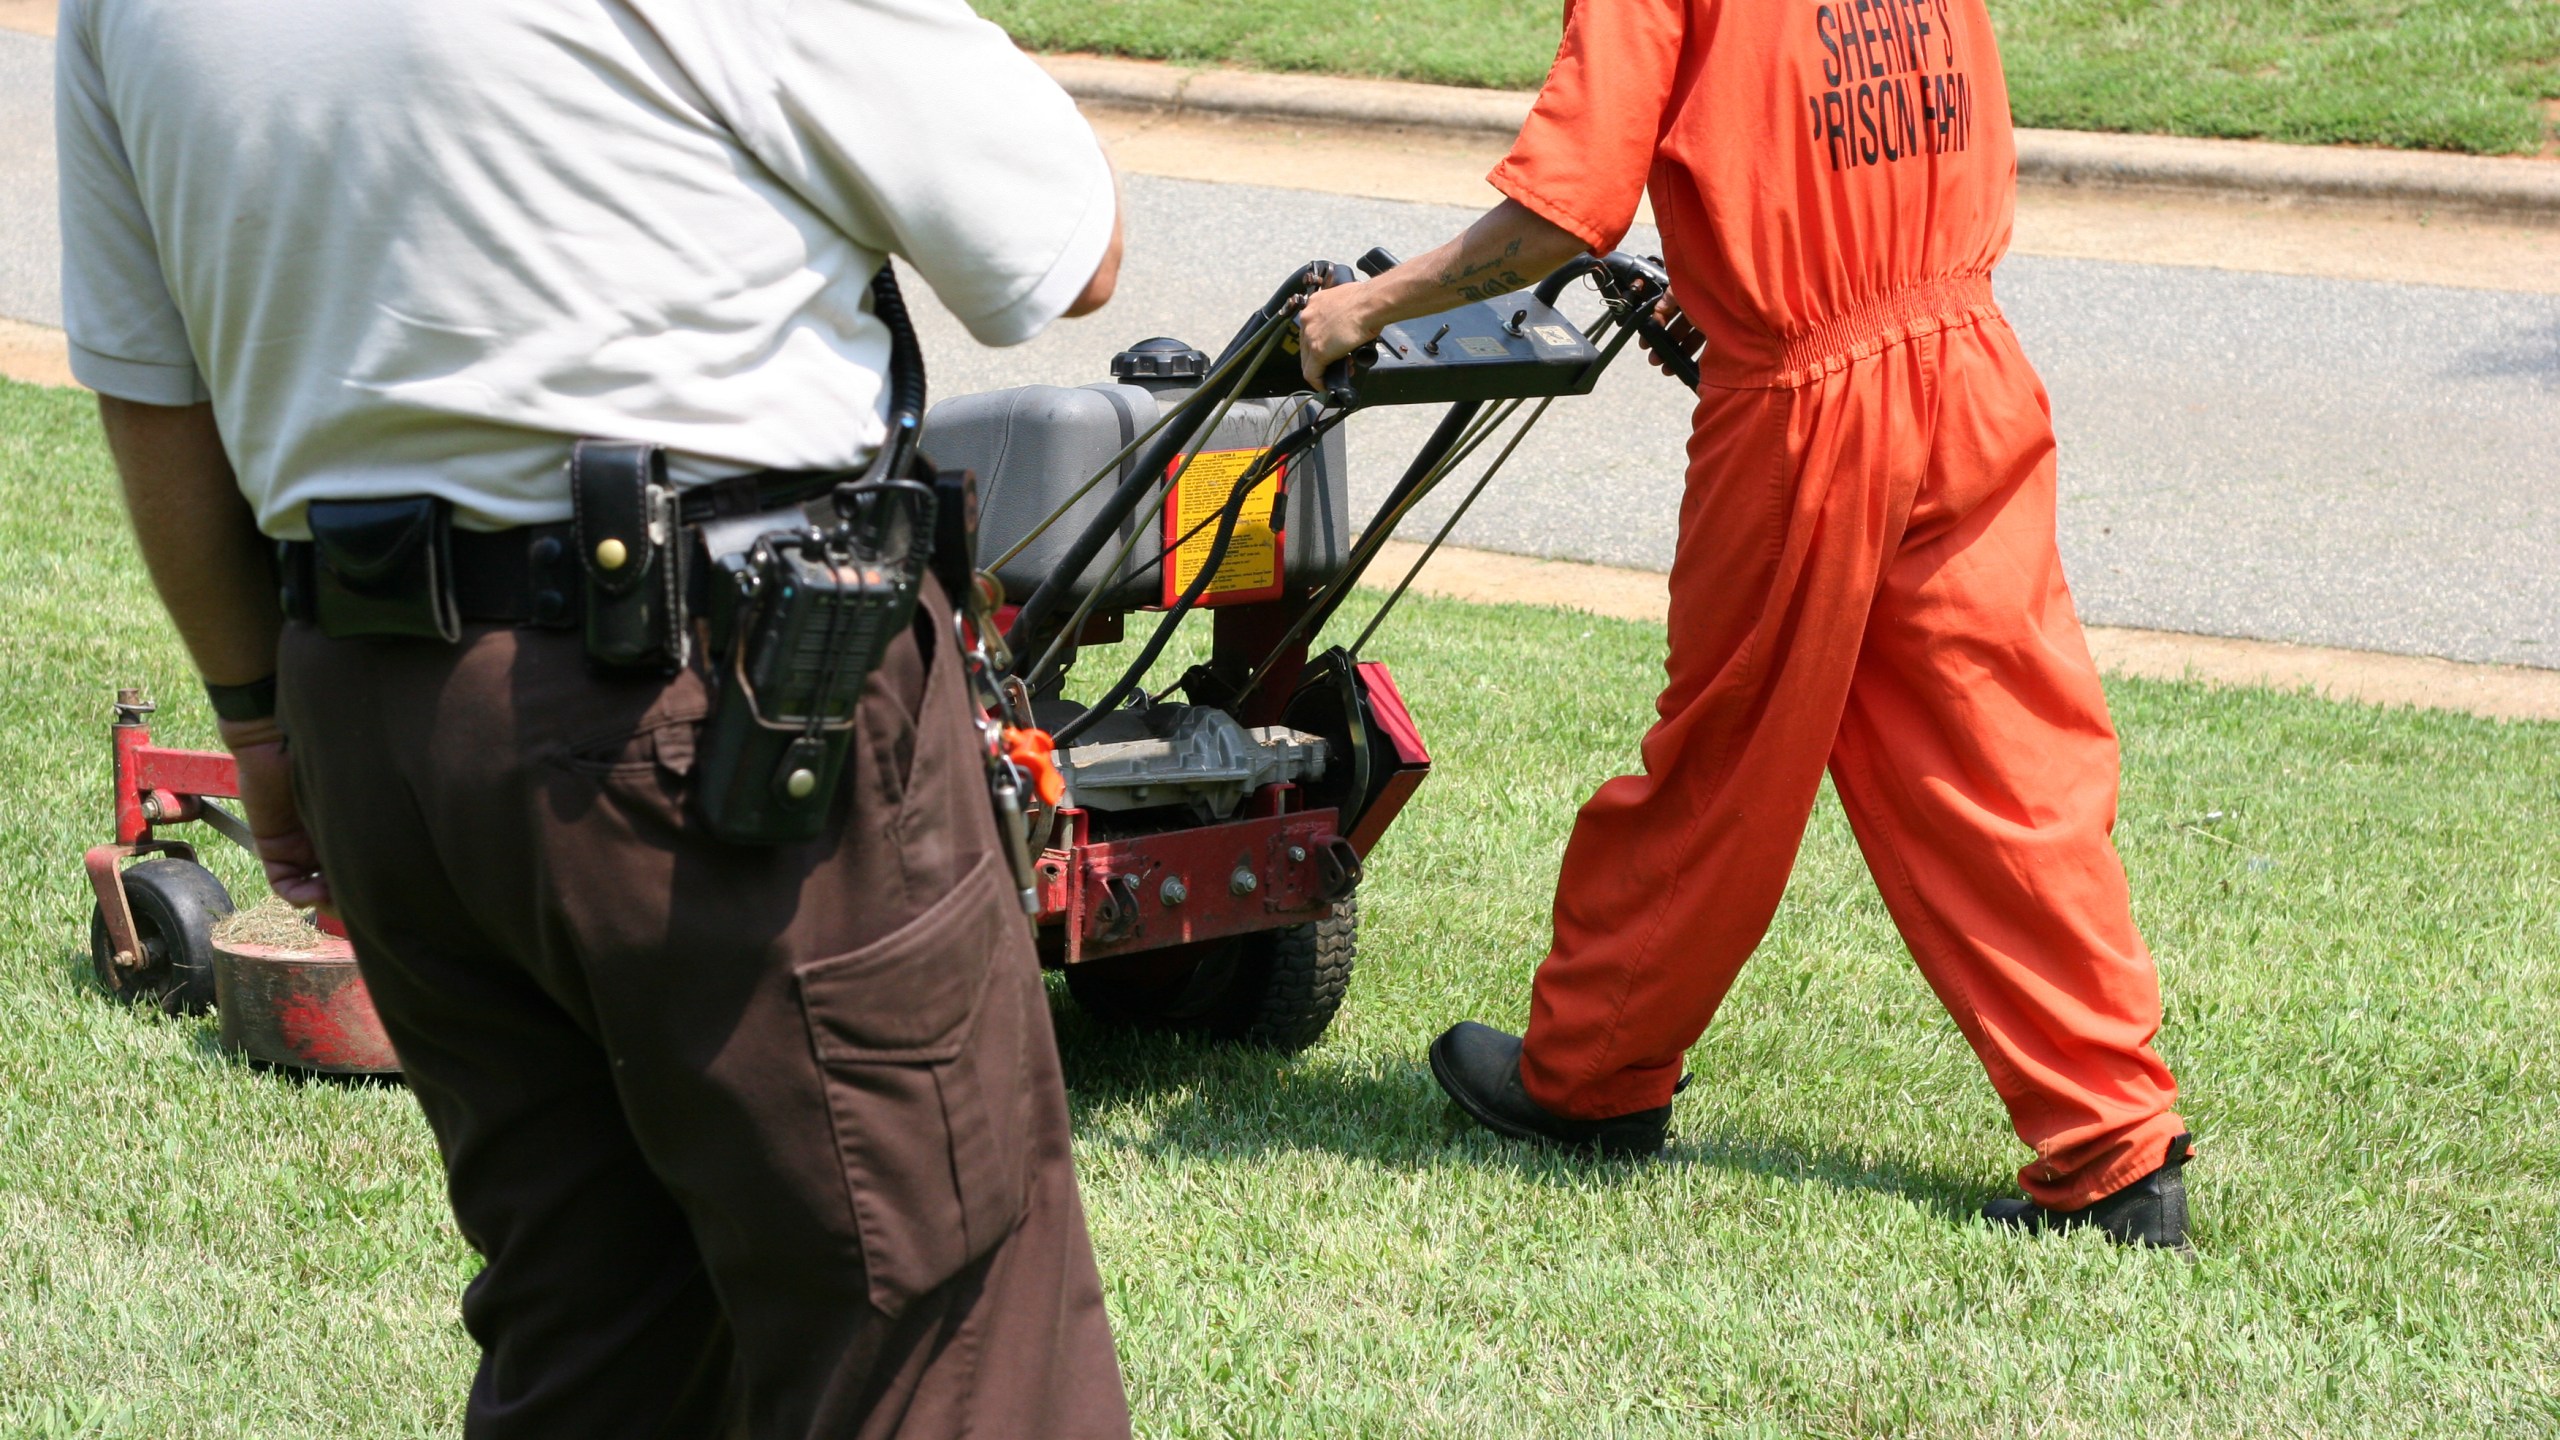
(1582, 158)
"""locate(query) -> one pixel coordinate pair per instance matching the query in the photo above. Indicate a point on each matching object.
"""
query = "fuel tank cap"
(1162, 358)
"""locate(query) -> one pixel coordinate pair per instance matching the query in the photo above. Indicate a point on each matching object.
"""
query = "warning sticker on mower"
(1250, 569)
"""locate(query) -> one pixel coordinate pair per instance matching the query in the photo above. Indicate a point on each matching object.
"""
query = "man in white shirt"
(754, 1139)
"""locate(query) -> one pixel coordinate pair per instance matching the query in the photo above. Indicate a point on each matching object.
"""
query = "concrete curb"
(34, 354)
(1094, 78)
(2497, 692)
(2520, 190)
(2511, 189)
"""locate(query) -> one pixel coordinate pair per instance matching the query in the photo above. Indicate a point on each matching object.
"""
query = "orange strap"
(1036, 753)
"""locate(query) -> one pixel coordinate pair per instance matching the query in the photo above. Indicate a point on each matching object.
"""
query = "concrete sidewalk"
(2512, 189)
(2521, 190)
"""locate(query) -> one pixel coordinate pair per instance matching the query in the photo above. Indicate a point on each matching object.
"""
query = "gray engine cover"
(1203, 759)
(1033, 445)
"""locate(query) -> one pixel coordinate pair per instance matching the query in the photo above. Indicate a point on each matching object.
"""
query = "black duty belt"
(521, 576)
(529, 575)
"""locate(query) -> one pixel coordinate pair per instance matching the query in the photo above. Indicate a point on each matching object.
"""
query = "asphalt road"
(30, 252)
(2275, 457)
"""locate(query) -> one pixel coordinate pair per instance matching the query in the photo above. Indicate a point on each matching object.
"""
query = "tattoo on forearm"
(1501, 284)
(1455, 277)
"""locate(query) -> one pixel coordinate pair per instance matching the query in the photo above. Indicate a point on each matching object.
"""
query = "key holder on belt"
(632, 549)
(1023, 780)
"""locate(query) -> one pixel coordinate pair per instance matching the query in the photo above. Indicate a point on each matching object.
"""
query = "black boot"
(2150, 1211)
(1480, 1068)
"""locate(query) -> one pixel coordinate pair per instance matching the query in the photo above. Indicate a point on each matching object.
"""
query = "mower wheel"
(1289, 983)
(176, 904)
(1168, 989)
(1276, 989)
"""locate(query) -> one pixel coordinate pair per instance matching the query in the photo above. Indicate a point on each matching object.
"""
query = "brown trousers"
(769, 1142)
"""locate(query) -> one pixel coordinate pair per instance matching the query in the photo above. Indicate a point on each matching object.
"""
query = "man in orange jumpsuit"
(1866, 579)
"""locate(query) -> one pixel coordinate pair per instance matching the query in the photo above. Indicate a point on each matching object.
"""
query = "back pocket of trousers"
(922, 1038)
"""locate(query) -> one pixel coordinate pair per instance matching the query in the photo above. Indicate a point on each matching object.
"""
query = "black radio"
(798, 622)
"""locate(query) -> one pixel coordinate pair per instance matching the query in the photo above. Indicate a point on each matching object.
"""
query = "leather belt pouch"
(384, 568)
(630, 546)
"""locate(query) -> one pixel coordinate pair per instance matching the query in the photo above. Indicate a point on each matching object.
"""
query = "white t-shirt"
(417, 246)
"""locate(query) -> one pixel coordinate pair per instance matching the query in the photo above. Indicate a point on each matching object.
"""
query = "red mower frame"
(301, 1007)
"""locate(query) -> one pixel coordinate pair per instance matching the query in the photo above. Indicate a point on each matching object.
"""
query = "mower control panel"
(1511, 346)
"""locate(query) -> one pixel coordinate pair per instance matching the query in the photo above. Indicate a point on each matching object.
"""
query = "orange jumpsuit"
(1866, 574)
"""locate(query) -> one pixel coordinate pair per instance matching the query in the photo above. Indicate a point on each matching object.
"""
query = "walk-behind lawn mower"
(1194, 858)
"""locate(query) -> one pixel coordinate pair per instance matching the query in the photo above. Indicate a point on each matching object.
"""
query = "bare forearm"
(1106, 276)
(212, 569)
(198, 538)
(1509, 248)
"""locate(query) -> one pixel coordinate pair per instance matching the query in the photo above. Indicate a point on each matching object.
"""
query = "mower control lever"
(1507, 347)
(1338, 389)
(1633, 285)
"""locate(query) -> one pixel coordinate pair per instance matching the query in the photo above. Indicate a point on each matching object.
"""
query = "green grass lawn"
(2424, 74)
(2355, 912)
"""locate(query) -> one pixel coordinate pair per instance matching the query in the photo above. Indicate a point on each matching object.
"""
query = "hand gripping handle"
(1339, 376)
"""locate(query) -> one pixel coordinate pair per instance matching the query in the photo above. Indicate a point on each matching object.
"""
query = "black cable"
(1228, 515)
(1455, 516)
(906, 374)
(1429, 467)
(1150, 470)
(1421, 474)
(1334, 418)
(906, 356)
(1177, 466)
(1128, 683)
(1633, 284)
(1187, 536)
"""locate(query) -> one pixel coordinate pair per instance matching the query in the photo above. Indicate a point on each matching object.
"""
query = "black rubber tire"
(1289, 983)
(1163, 989)
(176, 904)
(1276, 989)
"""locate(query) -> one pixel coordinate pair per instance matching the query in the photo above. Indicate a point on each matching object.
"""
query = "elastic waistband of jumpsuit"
(1880, 324)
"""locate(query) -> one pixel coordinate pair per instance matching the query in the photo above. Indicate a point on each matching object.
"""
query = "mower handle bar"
(1630, 283)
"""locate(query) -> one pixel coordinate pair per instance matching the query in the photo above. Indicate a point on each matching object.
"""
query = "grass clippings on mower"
(271, 922)
(2357, 914)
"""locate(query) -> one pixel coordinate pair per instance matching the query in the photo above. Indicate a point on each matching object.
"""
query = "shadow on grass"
(1205, 1099)
(79, 972)
(208, 1046)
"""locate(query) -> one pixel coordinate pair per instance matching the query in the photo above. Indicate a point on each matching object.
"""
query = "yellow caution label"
(1250, 570)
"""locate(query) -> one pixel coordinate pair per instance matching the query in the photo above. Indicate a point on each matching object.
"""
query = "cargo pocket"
(922, 1038)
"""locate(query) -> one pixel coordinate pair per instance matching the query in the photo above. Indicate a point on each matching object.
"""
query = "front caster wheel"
(176, 904)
